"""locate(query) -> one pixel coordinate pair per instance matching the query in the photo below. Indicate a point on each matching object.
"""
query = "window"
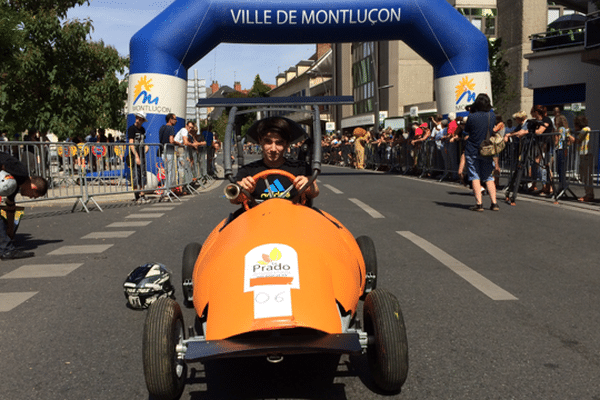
(483, 19)
(363, 77)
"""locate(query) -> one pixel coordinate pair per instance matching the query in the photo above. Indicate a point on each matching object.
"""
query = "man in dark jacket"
(32, 187)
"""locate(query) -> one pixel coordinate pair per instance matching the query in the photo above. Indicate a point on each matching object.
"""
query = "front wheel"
(367, 249)
(387, 350)
(164, 367)
(190, 255)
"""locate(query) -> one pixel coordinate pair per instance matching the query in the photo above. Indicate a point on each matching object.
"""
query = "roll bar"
(274, 103)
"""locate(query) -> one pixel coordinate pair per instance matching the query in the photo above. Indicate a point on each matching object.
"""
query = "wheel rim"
(179, 362)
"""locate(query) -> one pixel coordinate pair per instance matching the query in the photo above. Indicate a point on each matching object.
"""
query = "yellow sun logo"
(142, 84)
(273, 256)
(464, 86)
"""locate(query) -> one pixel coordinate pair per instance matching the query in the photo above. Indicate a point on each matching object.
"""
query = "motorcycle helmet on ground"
(8, 184)
(146, 284)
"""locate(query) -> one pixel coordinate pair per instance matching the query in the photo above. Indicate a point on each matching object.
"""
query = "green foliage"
(501, 80)
(259, 89)
(56, 79)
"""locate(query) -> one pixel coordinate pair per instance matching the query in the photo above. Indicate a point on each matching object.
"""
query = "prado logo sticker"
(271, 272)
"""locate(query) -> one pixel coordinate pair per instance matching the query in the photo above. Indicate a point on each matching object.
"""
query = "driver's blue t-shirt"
(278, 183)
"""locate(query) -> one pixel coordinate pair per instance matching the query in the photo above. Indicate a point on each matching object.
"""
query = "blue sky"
(116, 21)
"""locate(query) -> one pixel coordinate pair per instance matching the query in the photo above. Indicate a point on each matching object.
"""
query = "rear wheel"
(387, 350)
(164, 368)
(190, 255)
(367, 248)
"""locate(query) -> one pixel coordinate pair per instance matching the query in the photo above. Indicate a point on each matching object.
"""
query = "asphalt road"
(497, 305)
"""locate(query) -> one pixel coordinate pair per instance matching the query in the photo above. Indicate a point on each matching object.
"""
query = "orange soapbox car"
(281, 278)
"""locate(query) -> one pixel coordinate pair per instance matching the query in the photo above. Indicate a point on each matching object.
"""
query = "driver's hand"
(248, 183)
(311, 192)
(300, 181)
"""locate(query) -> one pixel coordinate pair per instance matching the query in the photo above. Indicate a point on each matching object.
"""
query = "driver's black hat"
(289, 130)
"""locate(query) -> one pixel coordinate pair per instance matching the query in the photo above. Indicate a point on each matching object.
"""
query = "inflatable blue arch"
(187, 30)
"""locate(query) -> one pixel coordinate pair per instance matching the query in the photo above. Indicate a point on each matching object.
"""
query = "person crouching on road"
(274, 137)
(32, 187)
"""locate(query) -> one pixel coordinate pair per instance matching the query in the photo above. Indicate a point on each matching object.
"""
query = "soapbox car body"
(280, 278)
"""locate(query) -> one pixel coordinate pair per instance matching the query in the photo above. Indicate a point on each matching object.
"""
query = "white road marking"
(372, 212)
(108, 235)
(170, 203)
(480, 282)
(41, 271)
(84, 249)
(128, 224)
(333, 189)
(157, 215)
(8, 301)
(154, 209)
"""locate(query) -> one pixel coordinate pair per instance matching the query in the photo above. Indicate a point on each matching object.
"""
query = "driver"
(274, 136)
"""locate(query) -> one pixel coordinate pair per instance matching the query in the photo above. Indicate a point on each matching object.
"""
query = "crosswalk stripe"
(128, 224)
(8, 301)
(153, 209)
(82, 249)
(108, 235)
(157, 215)
(41, 271)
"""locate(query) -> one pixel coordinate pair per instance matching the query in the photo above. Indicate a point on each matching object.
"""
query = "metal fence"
(525, 163)
(86, 171)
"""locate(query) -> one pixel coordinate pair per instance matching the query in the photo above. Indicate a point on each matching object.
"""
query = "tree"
(501, 92)
(56, 79)
(259, 89)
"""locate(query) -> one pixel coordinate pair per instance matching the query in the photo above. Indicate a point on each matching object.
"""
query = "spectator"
(29, 186)
(136, 135)
(509, 126)
(543, 153)
(166, 136)
(102, 136)
(560, 144)
(184, 139)
(208, 137)
(556, 114)
(441, 142)
(480, 123)
(362, 137)
(422, 133)
(92, 138)
(3, 135)
(586, 156)
(500, 129)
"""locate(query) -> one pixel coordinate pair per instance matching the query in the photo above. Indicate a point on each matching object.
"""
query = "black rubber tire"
(367, 248)
(388, 351)
(165, 374)
(190, 255)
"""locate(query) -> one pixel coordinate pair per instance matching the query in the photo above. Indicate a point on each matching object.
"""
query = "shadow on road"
(297, 377)
(29, 243)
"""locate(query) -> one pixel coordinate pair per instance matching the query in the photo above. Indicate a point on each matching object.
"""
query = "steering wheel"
(266, 173)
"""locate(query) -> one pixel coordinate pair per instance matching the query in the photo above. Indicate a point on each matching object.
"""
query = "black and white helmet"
(8, 184)
(146, 284)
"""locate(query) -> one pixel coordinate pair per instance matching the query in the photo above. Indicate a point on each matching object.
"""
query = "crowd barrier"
(525, 163)
(86, 171)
